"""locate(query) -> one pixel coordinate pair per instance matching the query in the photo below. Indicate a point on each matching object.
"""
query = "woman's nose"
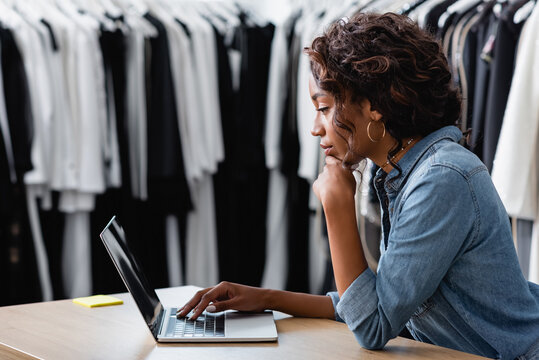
(318, 128)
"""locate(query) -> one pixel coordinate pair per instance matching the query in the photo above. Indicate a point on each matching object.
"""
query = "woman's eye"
(323, 109)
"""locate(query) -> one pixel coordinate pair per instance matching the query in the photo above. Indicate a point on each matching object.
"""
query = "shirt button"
(14, 256)
(15, 229)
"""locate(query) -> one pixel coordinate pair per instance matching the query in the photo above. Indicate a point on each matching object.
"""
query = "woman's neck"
(385, 161)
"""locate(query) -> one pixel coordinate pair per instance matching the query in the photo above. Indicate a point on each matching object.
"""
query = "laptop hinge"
(157, 324)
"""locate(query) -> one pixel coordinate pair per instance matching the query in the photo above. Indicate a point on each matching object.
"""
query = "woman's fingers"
(222, 297)
(334, 182)
(221, 306)
(203, 298)
(192, 303)
(331, 160)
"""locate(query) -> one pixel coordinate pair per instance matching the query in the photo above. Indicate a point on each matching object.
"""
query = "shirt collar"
(409, 160)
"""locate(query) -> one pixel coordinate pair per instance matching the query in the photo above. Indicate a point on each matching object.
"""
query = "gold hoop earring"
(369, 131)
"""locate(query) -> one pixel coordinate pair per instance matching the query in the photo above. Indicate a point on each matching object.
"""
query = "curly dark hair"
(399, 68)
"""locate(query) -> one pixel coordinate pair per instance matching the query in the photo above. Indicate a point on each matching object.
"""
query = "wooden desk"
(64, 330)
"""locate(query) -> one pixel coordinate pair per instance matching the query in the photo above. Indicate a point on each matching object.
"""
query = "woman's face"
(324, 104)
(332, 142)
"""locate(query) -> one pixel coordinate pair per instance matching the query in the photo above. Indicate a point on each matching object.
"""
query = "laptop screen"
(113, 237)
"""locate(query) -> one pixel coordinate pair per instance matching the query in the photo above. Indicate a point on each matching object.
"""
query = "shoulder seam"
(465, 174)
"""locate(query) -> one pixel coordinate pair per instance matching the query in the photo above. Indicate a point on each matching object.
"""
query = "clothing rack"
(190, 122)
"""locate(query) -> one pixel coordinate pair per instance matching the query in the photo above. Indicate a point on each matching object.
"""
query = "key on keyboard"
(207, 325)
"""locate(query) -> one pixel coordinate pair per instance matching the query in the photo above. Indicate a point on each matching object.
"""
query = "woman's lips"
(327, 149)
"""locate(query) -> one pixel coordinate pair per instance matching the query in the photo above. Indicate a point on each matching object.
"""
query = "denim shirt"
(448, 270)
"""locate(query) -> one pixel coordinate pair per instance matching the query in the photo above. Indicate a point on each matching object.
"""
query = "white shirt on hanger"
(306, 28)
(87, 82)
(277, 90)
(63, 154)
(92, 108)
(33, 56)
(204, 51)
(515, 172)
(136, 116)
(276, 269)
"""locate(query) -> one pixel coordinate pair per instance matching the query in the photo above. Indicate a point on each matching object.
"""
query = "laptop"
(227, 326)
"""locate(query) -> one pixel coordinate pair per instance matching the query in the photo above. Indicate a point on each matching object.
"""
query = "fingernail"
(211, 308)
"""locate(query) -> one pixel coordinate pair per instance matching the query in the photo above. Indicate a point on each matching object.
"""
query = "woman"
(448, 270)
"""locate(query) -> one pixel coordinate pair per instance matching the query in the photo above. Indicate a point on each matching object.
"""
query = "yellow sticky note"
(98, 300)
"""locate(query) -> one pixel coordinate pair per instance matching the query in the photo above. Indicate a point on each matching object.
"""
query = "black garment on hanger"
(241, 185)
(18, 268)
(501, 75)
(469, 58)
(117, 202)
(166, 173)
(223, 181)
(168, 192)
(18, 106)
(483, 30)
(254, 178)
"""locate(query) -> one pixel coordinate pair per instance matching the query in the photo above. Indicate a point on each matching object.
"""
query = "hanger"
(110, 8)
(167, 6)
(137, 6)
(92, 8)
(38, 6)
(458, 8)
(135, 11)
(140, 5)
(206, 12)
(49, 9)
(28, 12)
(223, 13)
(66, 6)
(182, 13)
(7, 15)
(253, 13)
(523, 12)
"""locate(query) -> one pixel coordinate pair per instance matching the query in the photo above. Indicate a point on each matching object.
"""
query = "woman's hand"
(226, 296)
(336, 187)
(335, 184)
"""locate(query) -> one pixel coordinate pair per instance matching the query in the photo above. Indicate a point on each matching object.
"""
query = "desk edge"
(9, 352)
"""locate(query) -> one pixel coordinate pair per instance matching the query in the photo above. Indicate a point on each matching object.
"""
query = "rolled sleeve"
(335, 300)
(359, 301)
(360, 309)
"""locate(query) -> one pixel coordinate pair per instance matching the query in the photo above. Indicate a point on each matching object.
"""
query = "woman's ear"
(375, 115)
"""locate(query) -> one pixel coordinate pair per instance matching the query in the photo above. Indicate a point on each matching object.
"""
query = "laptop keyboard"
(206, 325)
